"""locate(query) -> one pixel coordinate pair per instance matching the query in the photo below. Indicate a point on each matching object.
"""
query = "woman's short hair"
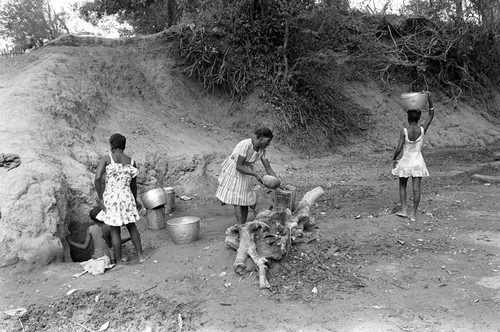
(264, 131)
(414, 115)
(117, 141)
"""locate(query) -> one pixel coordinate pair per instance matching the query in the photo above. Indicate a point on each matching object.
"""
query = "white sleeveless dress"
(118, 199)
(412, 162)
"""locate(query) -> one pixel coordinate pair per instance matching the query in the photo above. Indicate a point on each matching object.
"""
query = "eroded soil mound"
(120, 310)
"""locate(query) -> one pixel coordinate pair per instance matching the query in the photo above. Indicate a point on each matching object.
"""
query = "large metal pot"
(184, 229)
(154, 198)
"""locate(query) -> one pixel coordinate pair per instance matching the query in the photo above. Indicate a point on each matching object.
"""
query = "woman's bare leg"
(116, 242)
(241, 213)
(135, 237)
(402, 195)
(416, 181)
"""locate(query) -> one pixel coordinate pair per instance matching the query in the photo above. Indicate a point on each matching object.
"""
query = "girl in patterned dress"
(236, 185)
(412, 163)
(118, 196)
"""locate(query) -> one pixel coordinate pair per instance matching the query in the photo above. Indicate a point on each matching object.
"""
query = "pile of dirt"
(118, 310)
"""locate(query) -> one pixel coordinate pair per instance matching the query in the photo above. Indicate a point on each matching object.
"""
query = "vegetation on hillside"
(299, 53)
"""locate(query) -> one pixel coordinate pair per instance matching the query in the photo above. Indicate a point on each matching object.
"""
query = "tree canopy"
(146, 16)
(35, 18)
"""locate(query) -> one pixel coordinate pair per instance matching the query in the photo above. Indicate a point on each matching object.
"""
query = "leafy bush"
(290, 49)
(300, 52)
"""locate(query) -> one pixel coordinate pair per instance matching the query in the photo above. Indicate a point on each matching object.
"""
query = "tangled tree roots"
(270, 236)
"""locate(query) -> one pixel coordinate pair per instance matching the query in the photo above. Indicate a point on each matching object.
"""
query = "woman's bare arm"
(428, 121)
(267, 166)
(401, 142)
(240, 167)
(99, 176)
(84, 245)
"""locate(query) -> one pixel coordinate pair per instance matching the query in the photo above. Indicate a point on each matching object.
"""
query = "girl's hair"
(117, 141)
(264, 131)
(414, 115)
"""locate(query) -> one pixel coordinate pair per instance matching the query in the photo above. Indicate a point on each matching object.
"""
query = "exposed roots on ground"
(270, 236)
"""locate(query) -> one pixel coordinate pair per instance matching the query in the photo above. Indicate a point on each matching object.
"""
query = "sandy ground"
(373, 271)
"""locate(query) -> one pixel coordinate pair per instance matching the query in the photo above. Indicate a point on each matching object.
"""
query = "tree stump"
(270, 236)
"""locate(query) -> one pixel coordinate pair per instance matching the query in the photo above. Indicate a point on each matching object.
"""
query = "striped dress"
(235, 187)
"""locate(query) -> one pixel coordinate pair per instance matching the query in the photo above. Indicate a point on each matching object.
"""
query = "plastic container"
(414, 100)
(284, 198)
(184, 230)
(170, 205)
(154, 198)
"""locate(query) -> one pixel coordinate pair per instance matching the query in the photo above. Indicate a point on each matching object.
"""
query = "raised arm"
(428, 121)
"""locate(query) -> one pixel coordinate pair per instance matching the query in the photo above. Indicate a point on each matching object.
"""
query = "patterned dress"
(235, 187)
(118, 199)
(412, 162)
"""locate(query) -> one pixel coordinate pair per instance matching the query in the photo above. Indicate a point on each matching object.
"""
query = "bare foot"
(143, 258)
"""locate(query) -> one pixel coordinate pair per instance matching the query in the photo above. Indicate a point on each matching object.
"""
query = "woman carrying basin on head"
(412, 163)
(236, 186)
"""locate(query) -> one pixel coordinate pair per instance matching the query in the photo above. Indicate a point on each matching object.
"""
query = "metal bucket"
(170, 205)
(184, 230)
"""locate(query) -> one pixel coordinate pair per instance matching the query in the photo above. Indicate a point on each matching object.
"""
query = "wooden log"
(247, 248)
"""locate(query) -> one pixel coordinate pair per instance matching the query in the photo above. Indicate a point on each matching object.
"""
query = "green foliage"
(288, 47)
(301, 51)
(457, 58)
(21, 18)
